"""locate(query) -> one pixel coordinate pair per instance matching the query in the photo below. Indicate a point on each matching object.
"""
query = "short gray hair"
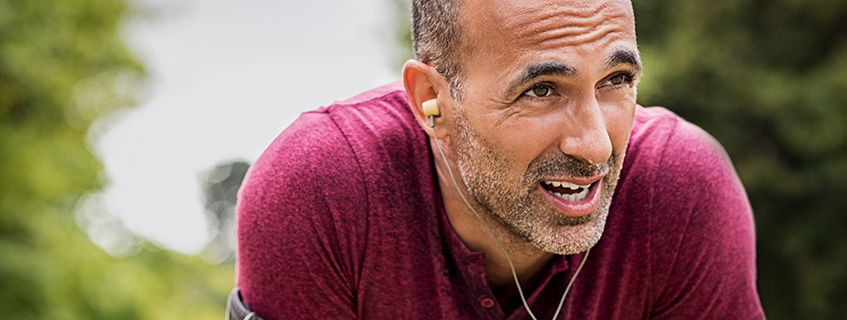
(437, 39)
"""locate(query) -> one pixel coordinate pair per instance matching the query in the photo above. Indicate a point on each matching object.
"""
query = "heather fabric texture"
(341, 218)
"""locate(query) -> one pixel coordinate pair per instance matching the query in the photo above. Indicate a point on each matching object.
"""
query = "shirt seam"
(361, 173)
(329, 111)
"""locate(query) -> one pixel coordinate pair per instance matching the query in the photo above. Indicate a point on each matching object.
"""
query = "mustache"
(560, 164)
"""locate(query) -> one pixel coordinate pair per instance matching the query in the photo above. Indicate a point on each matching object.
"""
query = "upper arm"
(702, 233)
(301, 221)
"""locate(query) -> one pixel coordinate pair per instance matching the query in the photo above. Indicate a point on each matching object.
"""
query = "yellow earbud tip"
(430, 108)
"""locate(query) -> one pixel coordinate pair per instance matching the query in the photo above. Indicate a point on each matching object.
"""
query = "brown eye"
(538, 92)
(616, 80)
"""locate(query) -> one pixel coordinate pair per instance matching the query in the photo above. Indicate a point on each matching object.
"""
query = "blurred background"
(126, 127)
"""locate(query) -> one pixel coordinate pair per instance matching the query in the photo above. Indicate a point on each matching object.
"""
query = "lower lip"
(576, 208)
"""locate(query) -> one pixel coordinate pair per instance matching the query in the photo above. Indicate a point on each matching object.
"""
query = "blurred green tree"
(769, 80)
(63, 65)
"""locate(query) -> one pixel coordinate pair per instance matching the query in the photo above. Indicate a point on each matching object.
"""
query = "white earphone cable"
(497, 241)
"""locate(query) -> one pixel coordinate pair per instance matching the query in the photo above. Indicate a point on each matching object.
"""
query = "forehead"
(506, 28)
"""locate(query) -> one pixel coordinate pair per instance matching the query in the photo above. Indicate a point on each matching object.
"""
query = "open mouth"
(566, 190)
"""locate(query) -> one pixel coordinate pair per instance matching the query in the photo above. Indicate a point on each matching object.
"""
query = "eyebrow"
(623, 57)
(539, 70)
(553, 68)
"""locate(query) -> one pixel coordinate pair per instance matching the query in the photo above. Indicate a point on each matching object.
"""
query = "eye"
(618, 80)
(539, 91)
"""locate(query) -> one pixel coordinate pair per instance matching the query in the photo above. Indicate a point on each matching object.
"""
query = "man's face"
(547, 108)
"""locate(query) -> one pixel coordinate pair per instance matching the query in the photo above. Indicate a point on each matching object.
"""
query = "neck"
(527, 260)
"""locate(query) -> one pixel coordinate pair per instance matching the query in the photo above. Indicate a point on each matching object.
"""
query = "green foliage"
(768, 80)
(63, 65)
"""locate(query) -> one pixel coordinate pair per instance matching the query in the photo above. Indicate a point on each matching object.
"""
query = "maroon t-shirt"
(341, 218)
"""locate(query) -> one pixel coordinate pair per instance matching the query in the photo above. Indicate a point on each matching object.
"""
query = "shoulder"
(326, 157)
(681, 162)
(336, 167)
(666, 152)
(685, 175)
(701, 234)
(330, 144)
(679, 180)
(312, 194)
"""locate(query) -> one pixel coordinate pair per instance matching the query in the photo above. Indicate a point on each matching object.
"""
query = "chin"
(559, 235)
(571, 239)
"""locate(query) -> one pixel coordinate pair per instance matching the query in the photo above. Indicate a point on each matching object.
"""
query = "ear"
(423, 83)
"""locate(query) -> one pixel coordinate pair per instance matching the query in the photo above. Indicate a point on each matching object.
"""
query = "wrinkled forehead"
(533, 22)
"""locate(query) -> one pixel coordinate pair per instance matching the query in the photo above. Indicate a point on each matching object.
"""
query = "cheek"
(619, 117)
(517, 141)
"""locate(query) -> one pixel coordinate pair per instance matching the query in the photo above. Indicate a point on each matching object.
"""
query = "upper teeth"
(565, 184)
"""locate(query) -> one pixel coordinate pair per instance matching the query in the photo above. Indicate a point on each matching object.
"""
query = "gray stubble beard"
(482, 170)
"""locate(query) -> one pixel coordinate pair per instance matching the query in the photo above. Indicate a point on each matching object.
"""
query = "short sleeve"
(301, 225)
(702, 233)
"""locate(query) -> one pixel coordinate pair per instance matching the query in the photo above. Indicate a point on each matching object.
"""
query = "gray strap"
(236, 309)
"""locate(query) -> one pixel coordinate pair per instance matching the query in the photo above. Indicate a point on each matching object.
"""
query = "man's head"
(540, 106)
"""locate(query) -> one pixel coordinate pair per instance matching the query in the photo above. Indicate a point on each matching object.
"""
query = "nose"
(586, 136)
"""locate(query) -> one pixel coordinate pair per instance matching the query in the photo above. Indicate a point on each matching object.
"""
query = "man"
(476, 188)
